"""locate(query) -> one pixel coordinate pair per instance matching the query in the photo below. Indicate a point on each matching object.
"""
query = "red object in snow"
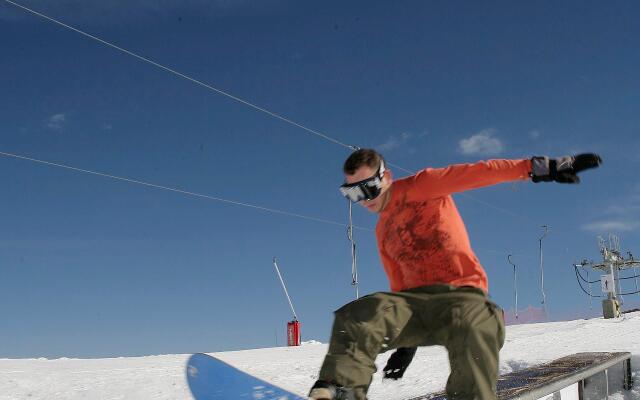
(293, 333)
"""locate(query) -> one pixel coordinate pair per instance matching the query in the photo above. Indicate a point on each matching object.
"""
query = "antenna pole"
(515, 286)
(544, 297)
(275, 264)
(590, 293)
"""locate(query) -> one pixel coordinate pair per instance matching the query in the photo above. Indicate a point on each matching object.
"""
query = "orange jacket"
(421, 237)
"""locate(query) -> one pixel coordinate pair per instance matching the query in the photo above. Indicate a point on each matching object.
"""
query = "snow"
(295, 368)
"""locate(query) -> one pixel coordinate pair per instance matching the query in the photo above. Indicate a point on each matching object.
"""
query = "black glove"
(563, 169)
(398, 362)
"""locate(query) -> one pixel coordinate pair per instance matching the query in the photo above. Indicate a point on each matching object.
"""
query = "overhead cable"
(196, 81)
(204, 196)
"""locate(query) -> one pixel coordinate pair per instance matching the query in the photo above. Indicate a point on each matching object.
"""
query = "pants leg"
(477, 337)
(361, 330)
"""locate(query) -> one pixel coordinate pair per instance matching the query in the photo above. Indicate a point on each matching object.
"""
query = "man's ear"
(388, 175)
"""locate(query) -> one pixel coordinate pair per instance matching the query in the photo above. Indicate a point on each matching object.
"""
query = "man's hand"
(563, 169)
(398, 362)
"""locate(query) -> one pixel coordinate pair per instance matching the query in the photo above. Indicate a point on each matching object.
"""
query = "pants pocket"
(498, 314)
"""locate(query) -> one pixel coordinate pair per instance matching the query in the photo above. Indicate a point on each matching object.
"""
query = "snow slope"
(295, 369)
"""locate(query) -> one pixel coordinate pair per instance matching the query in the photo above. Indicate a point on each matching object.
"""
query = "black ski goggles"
(367, 189)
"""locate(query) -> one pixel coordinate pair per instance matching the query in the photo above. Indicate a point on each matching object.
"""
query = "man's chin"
(372, 209)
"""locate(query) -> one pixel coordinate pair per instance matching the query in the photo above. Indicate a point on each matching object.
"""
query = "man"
(438, 287)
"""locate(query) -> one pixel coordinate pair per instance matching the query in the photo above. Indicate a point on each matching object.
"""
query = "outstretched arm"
(438, 182)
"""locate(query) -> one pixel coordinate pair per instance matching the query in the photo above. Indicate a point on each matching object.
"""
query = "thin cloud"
(395, 142)
(534, 134)
(623, 209)
(622, 215)
(611, 226)
(625, 206)
(483, 143)
(56, 122)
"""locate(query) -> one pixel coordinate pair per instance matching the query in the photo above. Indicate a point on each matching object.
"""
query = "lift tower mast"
(612, 263)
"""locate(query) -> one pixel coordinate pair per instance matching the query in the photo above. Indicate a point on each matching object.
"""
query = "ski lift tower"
(612, 263)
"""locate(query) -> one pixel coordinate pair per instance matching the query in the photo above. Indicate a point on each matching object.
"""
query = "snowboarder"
(438, 287)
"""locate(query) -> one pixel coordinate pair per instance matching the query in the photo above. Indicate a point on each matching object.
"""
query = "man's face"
(375, 205)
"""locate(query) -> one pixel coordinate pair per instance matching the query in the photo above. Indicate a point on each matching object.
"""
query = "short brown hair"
(362, 157)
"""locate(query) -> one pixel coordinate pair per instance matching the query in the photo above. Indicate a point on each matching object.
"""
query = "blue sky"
(95, 267)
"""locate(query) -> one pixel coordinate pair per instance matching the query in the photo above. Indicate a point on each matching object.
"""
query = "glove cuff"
(540, 166)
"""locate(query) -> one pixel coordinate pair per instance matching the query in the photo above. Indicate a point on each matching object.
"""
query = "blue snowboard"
(212, 379)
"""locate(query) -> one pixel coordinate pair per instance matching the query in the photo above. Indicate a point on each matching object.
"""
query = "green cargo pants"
(463, 320)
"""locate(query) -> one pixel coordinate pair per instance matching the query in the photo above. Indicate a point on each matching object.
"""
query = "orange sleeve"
(438, 182)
